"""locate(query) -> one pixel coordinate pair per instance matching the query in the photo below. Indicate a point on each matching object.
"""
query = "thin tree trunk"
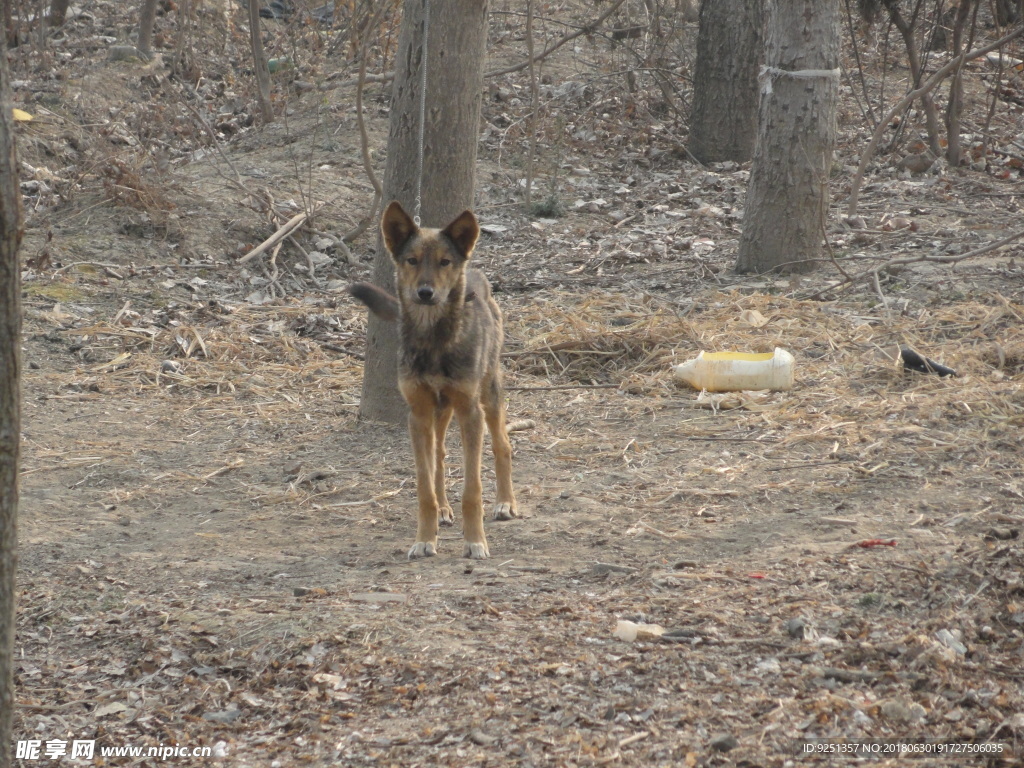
(10, 401)
(531, 120)
(931, 114)
(455, 55)
(723, 121)
(58, 12)
(955, 105)
(259, 60)
(147, 18)
(787, 197)
(10, 33)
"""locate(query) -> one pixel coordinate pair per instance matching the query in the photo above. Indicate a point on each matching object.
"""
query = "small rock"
(902, 711)
(795, 628)
(224, 717)
(916, 163)
(1003, 534)
(379, 597)
(724, 742)
(480, 738)
(599, 568)
(861, 718)
(947, 638)
(126, 53)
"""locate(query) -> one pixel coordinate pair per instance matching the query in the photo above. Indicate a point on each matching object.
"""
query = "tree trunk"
(955, 105)
(931, 114)
(1008, 11)
(10, 33)
(259, 60)
(147, 18)
(10, 401)
(455, 55)
(58, 12)
(723, 121)
(787, 197)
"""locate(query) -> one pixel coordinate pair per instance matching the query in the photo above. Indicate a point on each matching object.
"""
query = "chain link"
(423, 110)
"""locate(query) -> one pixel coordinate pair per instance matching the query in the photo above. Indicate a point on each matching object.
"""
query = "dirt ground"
(213, 544)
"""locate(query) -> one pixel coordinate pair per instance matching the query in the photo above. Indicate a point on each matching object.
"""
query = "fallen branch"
(285, 230)
(873, 273)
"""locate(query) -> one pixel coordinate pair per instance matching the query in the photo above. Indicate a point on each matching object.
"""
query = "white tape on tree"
(768, 74)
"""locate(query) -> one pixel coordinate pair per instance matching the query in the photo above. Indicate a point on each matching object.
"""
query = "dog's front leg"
(471, 422)
(442, 417)
(421, 428)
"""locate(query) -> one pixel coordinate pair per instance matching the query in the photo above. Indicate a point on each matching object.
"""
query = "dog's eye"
(445, 262)
(411, 261)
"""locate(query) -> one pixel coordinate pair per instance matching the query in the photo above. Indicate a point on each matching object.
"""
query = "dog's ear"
(463, 232)
(396, 227)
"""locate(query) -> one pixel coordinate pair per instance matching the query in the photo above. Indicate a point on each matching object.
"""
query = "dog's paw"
(445, 516)
(476, 550)
(422, 549)
(505, 512)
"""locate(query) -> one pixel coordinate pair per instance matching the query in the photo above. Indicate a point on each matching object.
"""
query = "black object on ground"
(912, 361)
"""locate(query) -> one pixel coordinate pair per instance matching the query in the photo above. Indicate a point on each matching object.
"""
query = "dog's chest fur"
(455, 341)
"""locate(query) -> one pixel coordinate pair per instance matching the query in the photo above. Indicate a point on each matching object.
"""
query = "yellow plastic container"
(736, 371)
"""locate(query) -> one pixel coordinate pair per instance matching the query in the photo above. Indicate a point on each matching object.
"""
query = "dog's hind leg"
(494, 412)
(471, 423)
(422, 405)
(442, 417)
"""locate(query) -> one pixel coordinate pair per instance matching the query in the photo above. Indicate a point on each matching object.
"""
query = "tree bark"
(955, 104)
(259, 60)
(787, 197)
(455, 55)
(147, 18)
(723, 121)
(58, 12)
(10, 401)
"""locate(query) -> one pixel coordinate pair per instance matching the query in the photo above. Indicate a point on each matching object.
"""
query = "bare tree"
(907, 29)
(787, 198)
(10, 401)
(454, 55)
(259, 60)
(147, 18)
(955, 105)
(723, 121)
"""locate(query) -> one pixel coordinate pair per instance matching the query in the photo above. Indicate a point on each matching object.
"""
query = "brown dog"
(451, 336)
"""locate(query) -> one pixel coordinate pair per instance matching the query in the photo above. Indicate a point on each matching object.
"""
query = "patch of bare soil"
(213, 545)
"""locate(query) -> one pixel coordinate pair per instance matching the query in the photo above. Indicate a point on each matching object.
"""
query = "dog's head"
(430, 263)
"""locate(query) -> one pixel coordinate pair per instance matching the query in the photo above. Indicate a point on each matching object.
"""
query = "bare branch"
(903, 103)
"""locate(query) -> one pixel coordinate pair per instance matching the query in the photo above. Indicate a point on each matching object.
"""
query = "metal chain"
(423, 110)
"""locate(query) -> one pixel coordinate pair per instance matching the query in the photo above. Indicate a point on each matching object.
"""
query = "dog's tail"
(380, 302)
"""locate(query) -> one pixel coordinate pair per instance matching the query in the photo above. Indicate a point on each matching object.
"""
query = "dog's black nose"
(425, 292)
